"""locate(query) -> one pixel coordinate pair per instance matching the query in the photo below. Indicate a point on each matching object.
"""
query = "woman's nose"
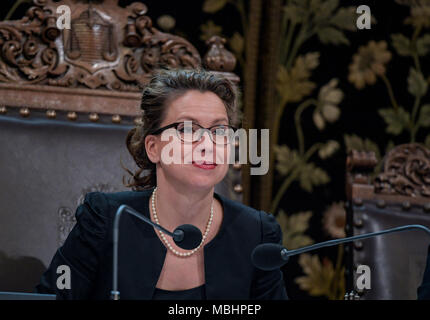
(206, 139)
(205, 144)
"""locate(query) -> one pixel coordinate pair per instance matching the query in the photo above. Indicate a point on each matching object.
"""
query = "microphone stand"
(287, 253)
(177, 236)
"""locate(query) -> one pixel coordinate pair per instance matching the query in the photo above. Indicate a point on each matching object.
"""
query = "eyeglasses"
(190, 132)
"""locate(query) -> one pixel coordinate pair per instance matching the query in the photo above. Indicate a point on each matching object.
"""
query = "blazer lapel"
(142, 252)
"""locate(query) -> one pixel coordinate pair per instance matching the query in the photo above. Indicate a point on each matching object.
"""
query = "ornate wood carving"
(406, 171)
(89, 54)
(108, 48)
(359, 166)
(218, 58)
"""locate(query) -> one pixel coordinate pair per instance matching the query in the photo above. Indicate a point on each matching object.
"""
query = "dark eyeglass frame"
(176, 124)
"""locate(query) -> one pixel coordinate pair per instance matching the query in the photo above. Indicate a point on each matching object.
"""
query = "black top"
(197, 293)
(229, 272)
(424, 288)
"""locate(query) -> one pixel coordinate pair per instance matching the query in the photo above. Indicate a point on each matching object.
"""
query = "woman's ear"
(151, 147)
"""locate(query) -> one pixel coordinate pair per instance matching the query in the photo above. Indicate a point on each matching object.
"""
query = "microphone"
(185, 236)
(271, 256)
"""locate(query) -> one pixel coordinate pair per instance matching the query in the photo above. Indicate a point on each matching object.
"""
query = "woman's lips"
(204, 165)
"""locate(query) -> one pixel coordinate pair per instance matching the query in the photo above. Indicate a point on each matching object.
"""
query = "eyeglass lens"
(193, 132)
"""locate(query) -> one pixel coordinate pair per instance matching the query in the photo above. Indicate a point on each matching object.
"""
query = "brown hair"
(163, 88)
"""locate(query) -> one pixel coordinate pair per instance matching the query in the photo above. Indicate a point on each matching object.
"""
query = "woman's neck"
(176, 206)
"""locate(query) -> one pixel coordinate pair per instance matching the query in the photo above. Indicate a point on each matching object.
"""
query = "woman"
(191, 111)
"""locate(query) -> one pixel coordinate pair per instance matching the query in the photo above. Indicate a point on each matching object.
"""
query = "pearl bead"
(163, 237)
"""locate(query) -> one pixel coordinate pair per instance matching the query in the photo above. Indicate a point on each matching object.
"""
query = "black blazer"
(424, 288)
(229, 273)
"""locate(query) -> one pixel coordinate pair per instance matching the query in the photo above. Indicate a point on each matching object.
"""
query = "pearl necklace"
(181, 254)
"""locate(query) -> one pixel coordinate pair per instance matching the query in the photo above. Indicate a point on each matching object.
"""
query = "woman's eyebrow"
(184, 118)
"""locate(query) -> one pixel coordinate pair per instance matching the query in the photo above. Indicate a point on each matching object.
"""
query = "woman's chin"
(202, 181)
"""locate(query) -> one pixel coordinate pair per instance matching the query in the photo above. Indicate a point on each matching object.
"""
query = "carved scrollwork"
(406, 171)
(50, 32)
(137, 9)
(30, 48)
(153, 48)
(107, 47)
(24, 44)
(10, 51)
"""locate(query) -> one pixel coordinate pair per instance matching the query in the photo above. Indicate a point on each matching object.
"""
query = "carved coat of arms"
(90, 43)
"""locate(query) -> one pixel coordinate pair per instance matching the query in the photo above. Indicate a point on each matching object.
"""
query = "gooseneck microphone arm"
(270, 256)
(354, 238)
(177, 235)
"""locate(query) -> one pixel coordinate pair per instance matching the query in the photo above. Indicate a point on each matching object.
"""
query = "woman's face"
(202, 164)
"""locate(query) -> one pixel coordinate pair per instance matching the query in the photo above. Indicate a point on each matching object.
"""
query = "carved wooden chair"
(67, 101)
(398, 195)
